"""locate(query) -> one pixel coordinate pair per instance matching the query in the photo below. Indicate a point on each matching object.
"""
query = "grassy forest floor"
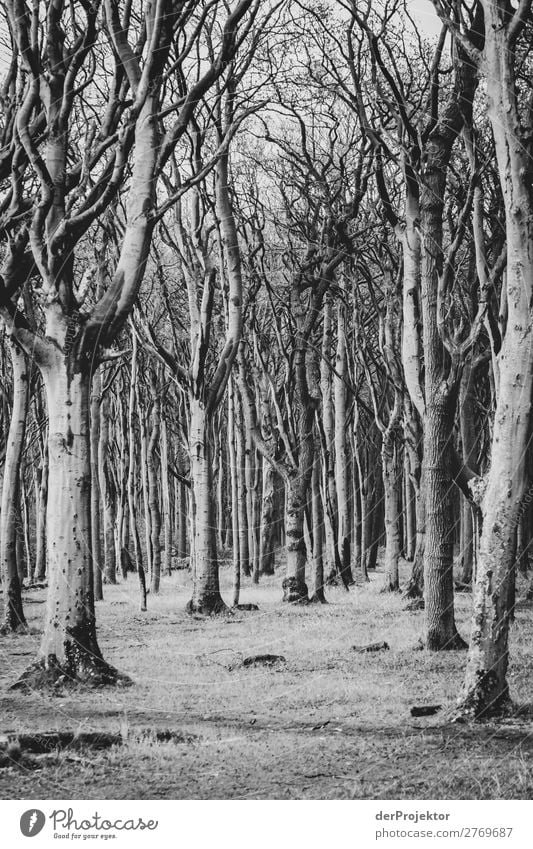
(329, 723)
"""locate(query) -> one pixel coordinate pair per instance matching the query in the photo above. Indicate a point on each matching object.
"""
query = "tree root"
(456, 643)
(361, 578)
(472, 709)
(413, 590)
(332, 579)
(294, 592)
(80, 668)
(209, 605)
(415, 604)
(318, 597)
(389, 588)
(483, 699)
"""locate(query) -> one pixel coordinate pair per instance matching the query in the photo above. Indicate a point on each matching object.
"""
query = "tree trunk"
(469, 441)
(39, 573)
(234, 492)
(96, 541)
(485, 689)
(415, 586)
(441, 632)
(318, 534)
(294, 586)
(165, 488)
(391, 486)
(181, 517)
(122, 522)
(132, 506)
(266, 543)
(359, 452)
(218, 475)
(244, 550)
(299, 478)
(69, 649)
(257, 488)
(409, 512)
(146, 495)
(267, 507)
(107, 490)
(153, 496)
(341, 449)
(249, 490)
(328, 444)
(374, 517)
(26, 531)
(357, 523)
(206, 596)
(14, 619)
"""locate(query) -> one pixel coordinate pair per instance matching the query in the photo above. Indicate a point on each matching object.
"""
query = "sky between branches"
(424, 14)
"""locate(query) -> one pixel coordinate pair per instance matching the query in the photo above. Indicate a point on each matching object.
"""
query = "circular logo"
(32, 822)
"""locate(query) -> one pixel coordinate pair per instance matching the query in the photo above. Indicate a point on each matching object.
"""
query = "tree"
(67, 163)
(507, 41)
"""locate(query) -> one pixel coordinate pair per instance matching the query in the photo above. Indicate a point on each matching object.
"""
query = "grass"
(327, 723)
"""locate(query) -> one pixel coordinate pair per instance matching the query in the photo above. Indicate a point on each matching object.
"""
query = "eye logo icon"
(32, 822)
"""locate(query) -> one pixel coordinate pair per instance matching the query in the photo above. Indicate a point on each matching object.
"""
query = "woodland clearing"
(328, 723)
